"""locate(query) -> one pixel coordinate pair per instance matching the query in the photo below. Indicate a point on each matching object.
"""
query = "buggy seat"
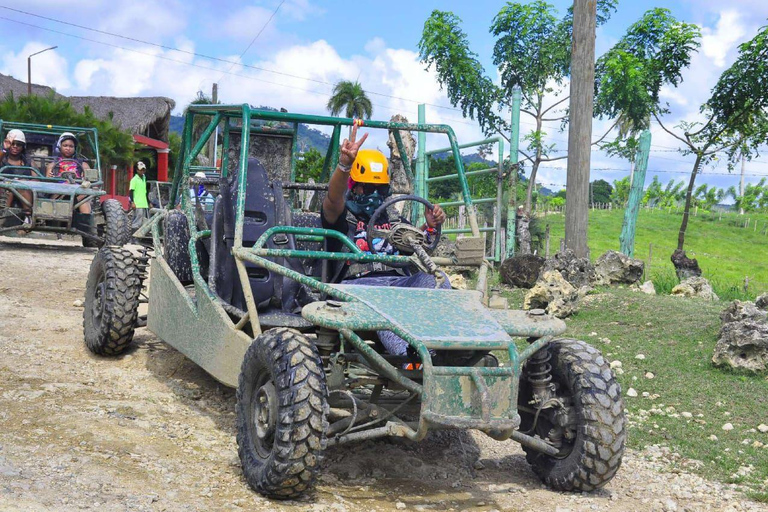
(264, 208)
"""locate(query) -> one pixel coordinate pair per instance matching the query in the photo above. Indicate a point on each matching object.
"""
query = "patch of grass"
(727, 252)
(677, 337)
(760, 497)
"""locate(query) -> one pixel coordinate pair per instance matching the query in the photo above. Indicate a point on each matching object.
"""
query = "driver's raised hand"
(434, 217)
(349, 147)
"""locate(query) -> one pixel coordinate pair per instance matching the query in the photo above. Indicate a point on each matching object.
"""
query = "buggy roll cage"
(88, 134)
(245, 119)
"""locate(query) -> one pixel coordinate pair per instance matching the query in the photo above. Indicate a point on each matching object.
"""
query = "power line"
(255, 38)
(196, 54)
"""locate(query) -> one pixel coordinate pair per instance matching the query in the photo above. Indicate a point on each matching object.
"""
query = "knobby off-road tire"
(176, 246)
(111, 301)
(281, 413)
(590, 460)
(117, 230)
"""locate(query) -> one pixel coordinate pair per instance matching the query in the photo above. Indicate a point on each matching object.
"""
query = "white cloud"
(49, 68)
(718, 42)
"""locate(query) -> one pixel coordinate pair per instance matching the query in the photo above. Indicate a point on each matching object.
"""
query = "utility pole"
(212, 140)
(580, 125)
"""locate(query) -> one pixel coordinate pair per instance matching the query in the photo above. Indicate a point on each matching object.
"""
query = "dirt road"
(150, 431)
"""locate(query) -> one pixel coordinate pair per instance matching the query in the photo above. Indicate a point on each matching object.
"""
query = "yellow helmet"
(370, 166)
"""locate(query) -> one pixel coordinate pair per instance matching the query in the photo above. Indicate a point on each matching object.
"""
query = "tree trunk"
(531, 184)
(580, 125)
(687, 209)
(741, 185)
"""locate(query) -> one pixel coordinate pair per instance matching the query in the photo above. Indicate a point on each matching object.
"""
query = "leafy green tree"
(653, 192)
(755, 196)
(601, 191)
(350, 98)
(115, 145)
(706, 197)
(532, 51)
(620, 194)
(736, 122)
(309, 165)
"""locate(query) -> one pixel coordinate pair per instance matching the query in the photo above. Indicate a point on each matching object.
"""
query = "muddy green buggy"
(53, 203)
(251, 293)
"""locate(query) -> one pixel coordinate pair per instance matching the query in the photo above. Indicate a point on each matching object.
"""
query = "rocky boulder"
(647, 287)
(521, 271)
(685, 267)
(578, 272)
(616, 268)
(762, 302)
(743, 340)
(554, 294)
(738, 311)
(695, 287)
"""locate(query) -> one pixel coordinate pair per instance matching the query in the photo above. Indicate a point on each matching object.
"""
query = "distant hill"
(308, 137)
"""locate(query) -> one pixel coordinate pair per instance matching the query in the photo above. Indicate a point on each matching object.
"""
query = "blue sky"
(308, 45)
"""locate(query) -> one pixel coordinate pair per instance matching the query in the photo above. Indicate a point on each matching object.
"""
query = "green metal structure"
(317, 376)
(53, 204)
(497, 199)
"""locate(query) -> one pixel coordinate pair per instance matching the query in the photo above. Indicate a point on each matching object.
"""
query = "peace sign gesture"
(349, 147)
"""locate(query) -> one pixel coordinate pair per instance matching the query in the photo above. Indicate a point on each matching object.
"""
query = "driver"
(68, 163)
(359, 185)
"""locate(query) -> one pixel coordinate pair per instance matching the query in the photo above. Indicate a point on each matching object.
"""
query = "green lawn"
(677, 337)
(727, 252)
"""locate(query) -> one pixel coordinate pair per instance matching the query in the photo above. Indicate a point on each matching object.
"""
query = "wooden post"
(546, 253)
(650, 257)
(627, 237)
(562, 245)
(580, 124)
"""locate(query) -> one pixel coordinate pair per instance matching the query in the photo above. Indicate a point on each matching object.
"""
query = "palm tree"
(349, 97)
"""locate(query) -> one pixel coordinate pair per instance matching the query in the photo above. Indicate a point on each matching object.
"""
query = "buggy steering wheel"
(69, 175)
(400, 234)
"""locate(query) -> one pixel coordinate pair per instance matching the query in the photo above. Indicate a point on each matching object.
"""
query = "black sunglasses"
(370, 188)
(17, 144)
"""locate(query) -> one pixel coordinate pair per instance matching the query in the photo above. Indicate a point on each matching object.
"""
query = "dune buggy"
(54, 202)
(250, 293)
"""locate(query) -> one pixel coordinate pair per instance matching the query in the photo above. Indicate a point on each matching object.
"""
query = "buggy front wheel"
(281, 413)
(584, 417)
(111, 301)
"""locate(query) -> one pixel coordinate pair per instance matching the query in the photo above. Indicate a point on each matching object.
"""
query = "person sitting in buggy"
(67, 165)
(359, 185)
(14, 153)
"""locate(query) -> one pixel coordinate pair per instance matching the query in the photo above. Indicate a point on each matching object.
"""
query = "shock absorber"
(142, 264)
(540, 376)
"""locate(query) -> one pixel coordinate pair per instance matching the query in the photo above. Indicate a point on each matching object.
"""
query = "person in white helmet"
(67, 164)
(14, 154)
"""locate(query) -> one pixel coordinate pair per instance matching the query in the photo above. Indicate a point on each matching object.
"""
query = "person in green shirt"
(137, 196)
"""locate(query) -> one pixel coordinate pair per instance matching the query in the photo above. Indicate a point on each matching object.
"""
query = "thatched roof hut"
(144, 116)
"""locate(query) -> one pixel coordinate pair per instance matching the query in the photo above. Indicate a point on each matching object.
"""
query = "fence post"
(562, 245)
(546, 253)
(650, 258)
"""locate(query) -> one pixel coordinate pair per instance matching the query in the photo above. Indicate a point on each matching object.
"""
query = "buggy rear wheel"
(281, 413)
(590, 429)
(117, 230)
(111, 301)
